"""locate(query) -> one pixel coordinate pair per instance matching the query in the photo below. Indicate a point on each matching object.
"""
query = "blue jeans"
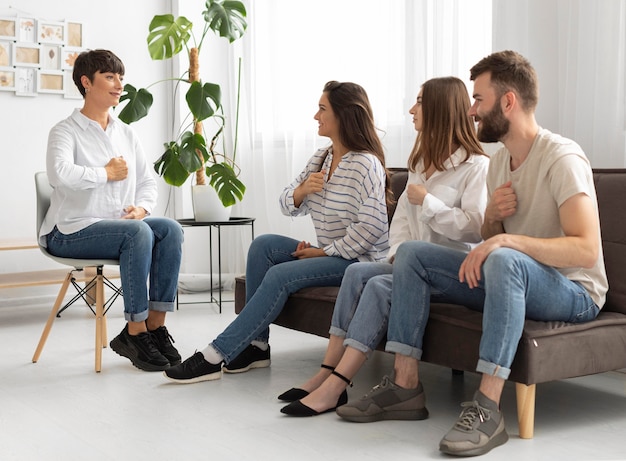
(272, 274)
(152, 247)
(362, 307)
(513, 287)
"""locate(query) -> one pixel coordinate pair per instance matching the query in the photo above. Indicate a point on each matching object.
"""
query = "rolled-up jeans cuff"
(136, 316)
(354, 344)
(336, 331)
(492, 369)
(161, 306)
(403, 349)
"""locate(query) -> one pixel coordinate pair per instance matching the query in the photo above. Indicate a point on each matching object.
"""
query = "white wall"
(118, 25)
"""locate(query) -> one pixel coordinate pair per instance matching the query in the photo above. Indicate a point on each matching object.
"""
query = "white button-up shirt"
(78, 150)
(453, 210)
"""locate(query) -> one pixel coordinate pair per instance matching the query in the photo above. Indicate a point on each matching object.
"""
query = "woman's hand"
(116, 169)
(314, 183)
(134, 212)
(416, 193)
(305, 250)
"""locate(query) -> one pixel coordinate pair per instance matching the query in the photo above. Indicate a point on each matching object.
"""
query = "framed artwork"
(8, 28)
(7, 79)
(71, 92)
(69, 55)
(51, 32)
(51, 57)
(26, 55)
(26, 31)
(25, 81)
(50, 81)
(6, 55)
(74, 34)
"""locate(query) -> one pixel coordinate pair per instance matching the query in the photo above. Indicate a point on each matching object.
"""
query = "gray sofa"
(547, 351)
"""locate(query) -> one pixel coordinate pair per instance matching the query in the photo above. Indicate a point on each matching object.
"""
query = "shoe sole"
(496, 441)
(257, 364)
(123, 350)
(398, 415)
(197, 379)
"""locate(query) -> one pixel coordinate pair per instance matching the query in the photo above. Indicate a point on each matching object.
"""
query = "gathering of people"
(514, 235)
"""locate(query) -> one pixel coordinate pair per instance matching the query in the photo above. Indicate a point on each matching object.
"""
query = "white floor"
(60, 409)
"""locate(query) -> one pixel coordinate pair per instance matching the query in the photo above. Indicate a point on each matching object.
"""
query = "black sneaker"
(163, 341)
(140, 349)
(194, 370)
(251, 357)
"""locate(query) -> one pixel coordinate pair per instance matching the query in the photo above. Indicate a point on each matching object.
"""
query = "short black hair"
(89, 62)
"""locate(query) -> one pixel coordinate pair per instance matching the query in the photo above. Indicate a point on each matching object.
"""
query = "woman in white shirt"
(444, 203)
(343, 188)
(103, 193)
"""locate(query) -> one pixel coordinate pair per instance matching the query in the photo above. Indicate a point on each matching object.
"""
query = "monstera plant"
(189, 153)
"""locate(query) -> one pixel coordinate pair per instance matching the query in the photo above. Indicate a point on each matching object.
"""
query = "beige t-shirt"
(555, 170)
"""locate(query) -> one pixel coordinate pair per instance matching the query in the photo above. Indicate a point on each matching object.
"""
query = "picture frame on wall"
(7, 79)
(51, 57)
(6, 53)
(27, 29)
(8, 28)
(51, 32)
(25, 81)
(69, 55)
(26, 55)
(50, 81)
(74, 34)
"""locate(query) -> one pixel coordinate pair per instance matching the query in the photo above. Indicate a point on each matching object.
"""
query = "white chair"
(98, 282)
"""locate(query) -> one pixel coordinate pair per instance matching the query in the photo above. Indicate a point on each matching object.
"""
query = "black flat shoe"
(293, 394)
(297, 408)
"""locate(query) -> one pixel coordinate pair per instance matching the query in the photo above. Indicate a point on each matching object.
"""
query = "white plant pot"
(207, 206)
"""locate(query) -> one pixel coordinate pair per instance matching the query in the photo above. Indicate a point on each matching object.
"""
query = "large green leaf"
(169, 167)
(190, 145)
(139, 103)
(168, 35)
(224, 179)
(203, 100)
(226, 17)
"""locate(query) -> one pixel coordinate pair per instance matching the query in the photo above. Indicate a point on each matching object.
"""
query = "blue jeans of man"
(362, 307)
(272, 274)
(149, 249)
(513, 287)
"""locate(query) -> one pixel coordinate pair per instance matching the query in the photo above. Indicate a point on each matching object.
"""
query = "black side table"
(217, 225)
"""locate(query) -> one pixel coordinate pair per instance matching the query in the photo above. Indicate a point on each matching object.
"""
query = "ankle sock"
(260, 344)
(211, 355)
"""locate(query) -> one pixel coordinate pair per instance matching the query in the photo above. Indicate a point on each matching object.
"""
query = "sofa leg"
(525, 409)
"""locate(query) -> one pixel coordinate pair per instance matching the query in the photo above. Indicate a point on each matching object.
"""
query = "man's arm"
(578, 248)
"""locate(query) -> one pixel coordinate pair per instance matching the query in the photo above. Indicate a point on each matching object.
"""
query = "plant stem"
(194, 76)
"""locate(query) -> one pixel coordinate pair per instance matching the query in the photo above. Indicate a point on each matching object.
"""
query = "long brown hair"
(445, 124)
(357, 131)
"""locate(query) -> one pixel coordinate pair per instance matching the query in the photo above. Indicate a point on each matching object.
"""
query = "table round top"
(233, 221)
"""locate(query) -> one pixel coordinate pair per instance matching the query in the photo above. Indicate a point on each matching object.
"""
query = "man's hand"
(116, 169)
(503, 203)
(134, 212)
(469, 272)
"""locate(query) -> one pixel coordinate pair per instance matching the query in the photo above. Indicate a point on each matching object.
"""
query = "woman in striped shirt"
(343, 188)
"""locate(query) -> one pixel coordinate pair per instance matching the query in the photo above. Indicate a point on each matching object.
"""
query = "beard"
(494, 126)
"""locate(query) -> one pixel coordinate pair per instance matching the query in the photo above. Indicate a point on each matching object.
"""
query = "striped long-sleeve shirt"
(350, 213)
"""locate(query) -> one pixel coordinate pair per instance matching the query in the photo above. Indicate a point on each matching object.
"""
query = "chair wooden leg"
(526, 409)
(100, 328)
(52, 316)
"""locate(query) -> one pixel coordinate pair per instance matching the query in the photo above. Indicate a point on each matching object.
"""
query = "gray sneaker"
(480, 428)
(386, 401)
